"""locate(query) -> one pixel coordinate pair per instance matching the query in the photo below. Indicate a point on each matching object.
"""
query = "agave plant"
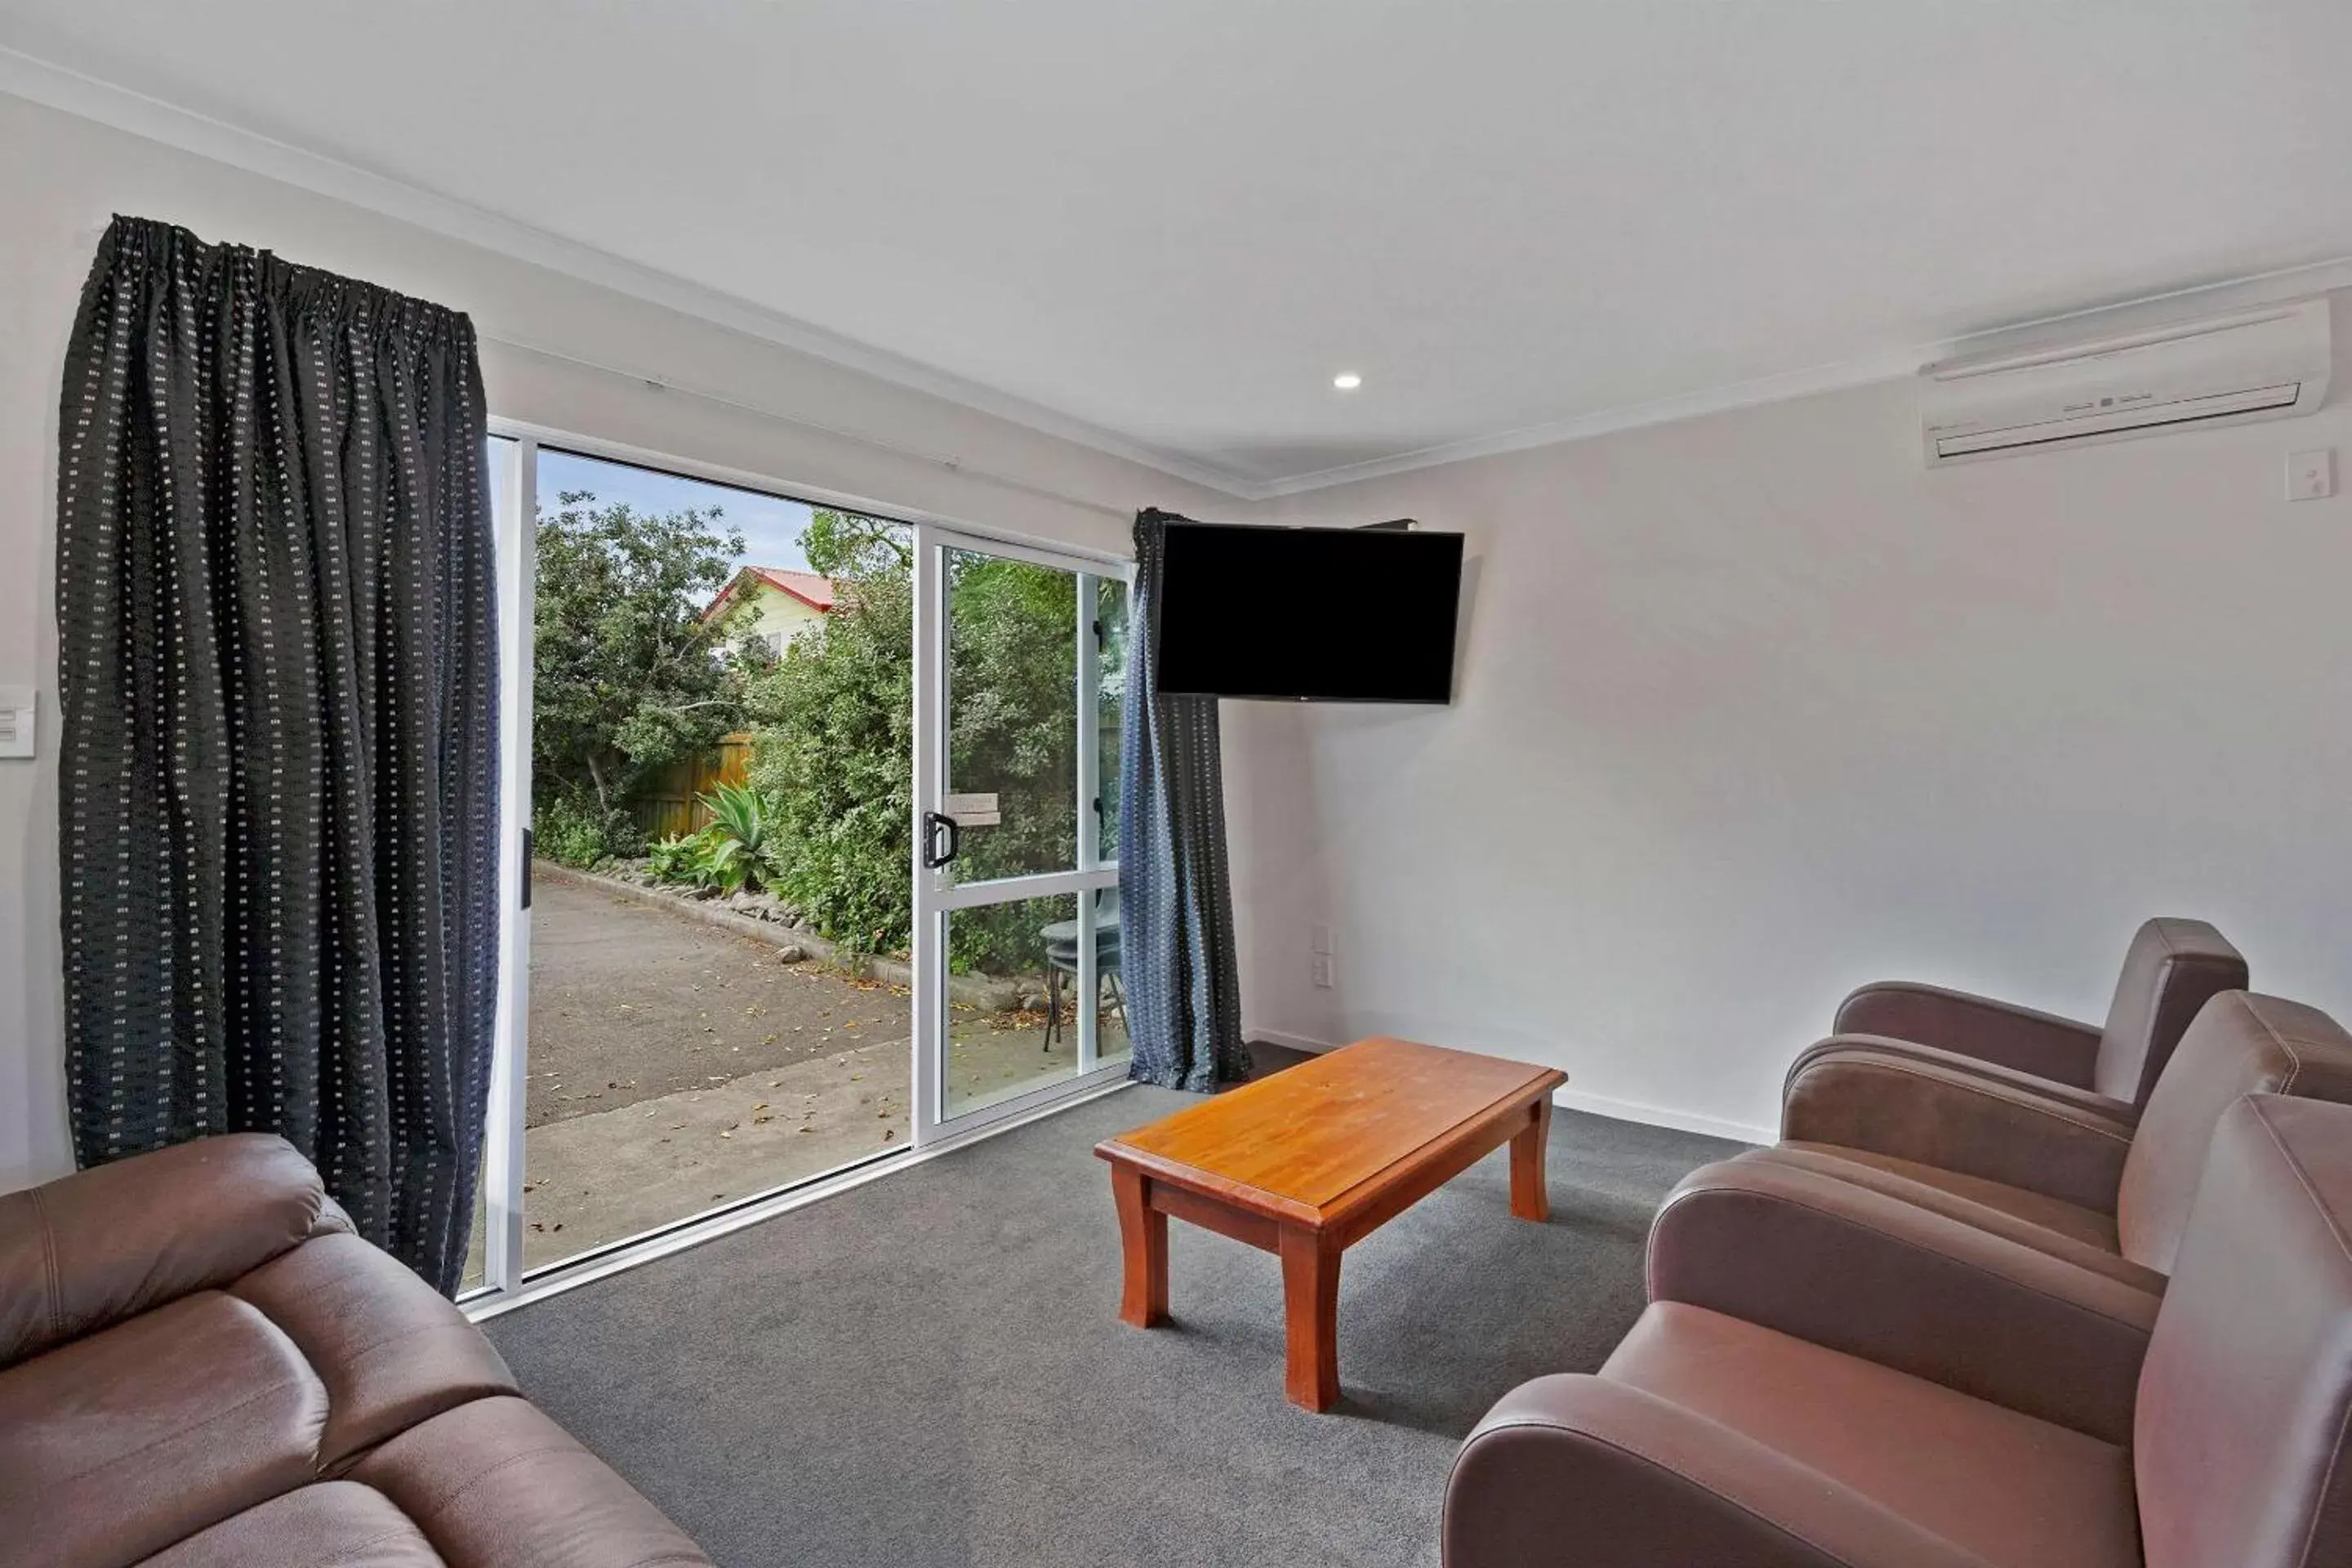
(720, 861)
(741, 813)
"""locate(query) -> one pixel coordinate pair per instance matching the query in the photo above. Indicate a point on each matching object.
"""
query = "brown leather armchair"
(1707, 1438)
(2004, 1248)
(2171, 969)
(201, 1367)
(1898, 1123)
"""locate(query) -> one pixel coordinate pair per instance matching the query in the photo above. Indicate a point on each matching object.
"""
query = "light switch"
(2310, 476)
(16, 721)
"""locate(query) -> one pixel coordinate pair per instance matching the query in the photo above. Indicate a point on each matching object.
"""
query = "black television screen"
(1312, 615)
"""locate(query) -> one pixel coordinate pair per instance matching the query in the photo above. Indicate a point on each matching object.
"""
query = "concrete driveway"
(676, 1067)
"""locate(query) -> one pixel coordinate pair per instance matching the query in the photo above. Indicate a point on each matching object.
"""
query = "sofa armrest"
(2041, 1044)
(1581, 1469)
(1861, 1093)
(90, 1249)
(1866, 1273)
(2025, 1083)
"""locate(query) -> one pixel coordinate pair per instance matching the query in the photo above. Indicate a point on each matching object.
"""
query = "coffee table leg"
(1143, 1248)
(1310, 1310)
(1529, 1199)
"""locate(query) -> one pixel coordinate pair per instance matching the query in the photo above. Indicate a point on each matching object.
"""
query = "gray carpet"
(927, 1370)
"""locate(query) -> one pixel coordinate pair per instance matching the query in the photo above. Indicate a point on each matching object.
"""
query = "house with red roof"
(784, 603)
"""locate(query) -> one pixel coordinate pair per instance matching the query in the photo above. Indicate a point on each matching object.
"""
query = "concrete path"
(676, 1067)
(629, 1003)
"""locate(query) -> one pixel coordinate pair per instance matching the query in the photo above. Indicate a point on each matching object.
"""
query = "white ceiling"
(1174, 222)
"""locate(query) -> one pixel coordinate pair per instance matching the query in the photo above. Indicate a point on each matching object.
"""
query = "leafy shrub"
(710, 858)
(835, 758)
(672, 859)
(572, 830)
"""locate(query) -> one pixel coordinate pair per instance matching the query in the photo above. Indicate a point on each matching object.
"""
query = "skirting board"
(1575, 1099)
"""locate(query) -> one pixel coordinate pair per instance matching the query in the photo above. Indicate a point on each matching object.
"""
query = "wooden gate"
(671, 807)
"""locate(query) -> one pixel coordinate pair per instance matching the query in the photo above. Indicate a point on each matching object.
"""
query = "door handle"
(935, 854)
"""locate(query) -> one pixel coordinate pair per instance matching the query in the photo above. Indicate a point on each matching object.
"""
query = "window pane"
(1111, 705)
(759, 763)
(1012, 717)
(1012, 1000)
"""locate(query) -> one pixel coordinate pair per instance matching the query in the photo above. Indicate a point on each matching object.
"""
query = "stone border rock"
(764, 917)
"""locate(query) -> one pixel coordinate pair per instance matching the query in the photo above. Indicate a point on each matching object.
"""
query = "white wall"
(61, 178)
(1755, 709)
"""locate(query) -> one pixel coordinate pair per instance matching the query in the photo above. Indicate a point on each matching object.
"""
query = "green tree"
(834, 757)
(627, 676)
(836, 750)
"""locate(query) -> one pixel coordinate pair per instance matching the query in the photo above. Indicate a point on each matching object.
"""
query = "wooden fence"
(672, 806)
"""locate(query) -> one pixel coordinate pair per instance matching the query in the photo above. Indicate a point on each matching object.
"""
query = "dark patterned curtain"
(1175, 892)
(276, 674)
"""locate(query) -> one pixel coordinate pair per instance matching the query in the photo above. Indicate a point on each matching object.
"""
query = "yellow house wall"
(773, 610)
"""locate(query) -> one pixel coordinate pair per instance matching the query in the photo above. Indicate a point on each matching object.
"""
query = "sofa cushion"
(389, 1348)
(98, 1246)
(2018, 1492)
(496, 1484)
(335, 1523)
(116, 1445)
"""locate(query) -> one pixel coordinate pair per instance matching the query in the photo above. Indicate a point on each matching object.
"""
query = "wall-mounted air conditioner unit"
(2269, 364)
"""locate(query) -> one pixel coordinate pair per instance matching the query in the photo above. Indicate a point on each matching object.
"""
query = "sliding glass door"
(1019, 664)
(718, 964)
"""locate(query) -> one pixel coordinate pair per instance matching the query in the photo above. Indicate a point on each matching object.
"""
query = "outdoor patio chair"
(1061, 940)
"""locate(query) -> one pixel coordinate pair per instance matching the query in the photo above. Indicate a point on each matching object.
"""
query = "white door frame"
(938, 893)
(514, 479)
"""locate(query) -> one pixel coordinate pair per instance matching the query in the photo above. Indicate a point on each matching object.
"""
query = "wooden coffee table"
(1307, 1162)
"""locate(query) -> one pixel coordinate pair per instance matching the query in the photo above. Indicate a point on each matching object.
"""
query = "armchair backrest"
(2172, 969)
(2242, 1042)
(2242, 1455)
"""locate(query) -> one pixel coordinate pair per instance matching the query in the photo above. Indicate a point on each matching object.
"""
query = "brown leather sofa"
(1708, 1438)
(2171, 969)
(2017, 1251)
(201, 1367)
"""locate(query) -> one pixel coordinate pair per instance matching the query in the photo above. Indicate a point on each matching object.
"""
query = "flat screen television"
(1308, 615)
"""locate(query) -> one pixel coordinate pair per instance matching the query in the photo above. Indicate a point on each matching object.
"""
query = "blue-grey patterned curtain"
(277, 677)
(1175, 892)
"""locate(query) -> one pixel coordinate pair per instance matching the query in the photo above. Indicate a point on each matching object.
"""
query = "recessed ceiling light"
(1347, 381)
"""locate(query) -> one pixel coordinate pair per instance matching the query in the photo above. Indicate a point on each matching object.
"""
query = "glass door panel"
(1012, 1001)
(1020, 657)
(1012, 704)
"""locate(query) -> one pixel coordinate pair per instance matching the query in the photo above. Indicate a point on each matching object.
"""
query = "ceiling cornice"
(1892, 364)
(28, 76)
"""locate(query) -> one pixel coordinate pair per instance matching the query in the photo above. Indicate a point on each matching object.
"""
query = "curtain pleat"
(1177, 953)
(278, 681)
